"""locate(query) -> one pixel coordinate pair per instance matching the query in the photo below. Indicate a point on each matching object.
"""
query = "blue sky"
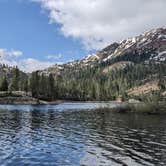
(35, 34)
(25, 27)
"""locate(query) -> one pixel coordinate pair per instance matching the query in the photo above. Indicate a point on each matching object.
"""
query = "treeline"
(14, 80)
(38, 84)
(93, 84)
(43, 86)
(86, 84)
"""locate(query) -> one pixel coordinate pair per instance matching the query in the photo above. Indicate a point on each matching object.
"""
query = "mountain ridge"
(152, 42)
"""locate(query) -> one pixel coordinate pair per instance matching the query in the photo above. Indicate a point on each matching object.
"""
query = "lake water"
(72, 134)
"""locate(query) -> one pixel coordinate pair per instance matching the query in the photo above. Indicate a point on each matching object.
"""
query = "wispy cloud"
(4, 53)
(98, 22)
(55, 57)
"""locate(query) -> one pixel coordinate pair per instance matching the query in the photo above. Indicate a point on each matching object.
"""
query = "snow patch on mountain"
(106, 59)
(161, 56)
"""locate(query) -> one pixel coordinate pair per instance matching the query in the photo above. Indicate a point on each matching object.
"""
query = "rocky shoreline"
(25, 101)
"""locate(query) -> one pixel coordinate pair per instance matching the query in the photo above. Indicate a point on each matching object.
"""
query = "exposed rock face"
(144, 89)
(106, 52)
(117, 66)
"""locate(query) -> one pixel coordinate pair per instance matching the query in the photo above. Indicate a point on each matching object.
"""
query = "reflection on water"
(66, 135)
(62, 107)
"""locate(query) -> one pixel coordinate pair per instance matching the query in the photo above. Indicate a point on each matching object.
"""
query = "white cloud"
(56, 57)
(31, 64)
(16, 53)
(12, 58)
(4, 53)
(98, 22)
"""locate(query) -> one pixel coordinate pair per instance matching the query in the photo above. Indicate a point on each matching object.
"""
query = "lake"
(72, 134)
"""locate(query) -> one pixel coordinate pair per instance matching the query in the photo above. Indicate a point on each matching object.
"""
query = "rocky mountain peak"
(151, 43)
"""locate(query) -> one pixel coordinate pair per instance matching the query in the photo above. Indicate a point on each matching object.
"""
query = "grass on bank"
(149, 108)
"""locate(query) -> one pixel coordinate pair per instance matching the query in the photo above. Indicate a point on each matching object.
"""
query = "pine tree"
(15, 79)
(51, 86)
(4, 85)
(34, 84)
(25, 86)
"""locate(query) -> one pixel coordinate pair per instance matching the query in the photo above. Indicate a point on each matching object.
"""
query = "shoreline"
(154, 107)
(13, 100)
(21, 100)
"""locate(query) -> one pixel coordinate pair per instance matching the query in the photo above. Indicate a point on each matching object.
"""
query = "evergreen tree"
(15, 80)
(4, 85)
(51, 87)
(34, 84)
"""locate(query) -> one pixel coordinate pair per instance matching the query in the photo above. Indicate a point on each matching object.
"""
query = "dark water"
(76, 134)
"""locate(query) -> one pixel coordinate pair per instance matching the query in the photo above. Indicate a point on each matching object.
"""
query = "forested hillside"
(95, 84)
(12, 79)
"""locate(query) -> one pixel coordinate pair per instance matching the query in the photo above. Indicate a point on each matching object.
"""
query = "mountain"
(149, 46)
(152, 43)
(134, 68)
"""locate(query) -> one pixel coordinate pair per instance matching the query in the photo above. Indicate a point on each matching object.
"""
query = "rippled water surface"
(80, 134)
